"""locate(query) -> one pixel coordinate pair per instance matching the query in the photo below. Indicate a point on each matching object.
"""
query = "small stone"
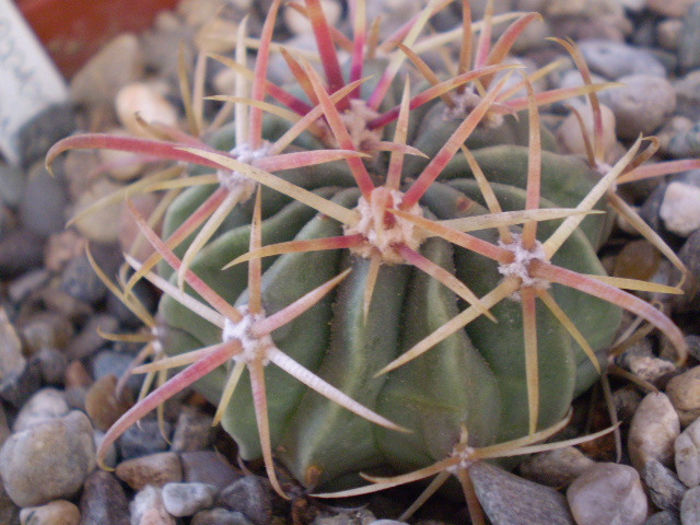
(251, 496)
(43, 204)
(675, 8)
(679, 209)
(684, 392)
(207, 466)
(220, 517)
(690, 507)
(62, 447)
(58, 512)
(80, 281)
(156, 469)
(638, 259)
(643, 104)
(146, 101)
(665, 490)
(555, 468)
(12, 182)
(12, 362)
(668, 33)
(101, 224)
(27, 284)
(686, 143)
(689, 40)
(46, 405)
(608, 493)
(663, 518)
(41, 132)
(117, 64)
(688, 95)
(687, 455)
(17, 389)
(507, 498)
(300, 25)
(89, 340)
(193, 431)
(20, 251)
(143, 439)
(654, 428)
(52, 365)
(9, 512)
(147, 508)
(4, 428)
(650, 369)
(103, 500)
(614, 60)
(357, 517)
(571, 139)
(102, 403)
(45, 330)
(186, 499)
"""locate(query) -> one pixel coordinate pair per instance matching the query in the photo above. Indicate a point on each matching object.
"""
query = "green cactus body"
(473, 378)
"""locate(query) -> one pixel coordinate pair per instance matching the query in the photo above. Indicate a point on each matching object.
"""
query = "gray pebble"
(103, 500)
(193, 430)
(52, 364)
(654, 428)
(12, 361)
(220, 517)
(664, 488)
(686, 143)
(555, 468)
(668, 33)
(80, 281)
(663, 518)
(690, 507)
(608, 493)
(641, 105)
(614, 60)
(207, 466)
(12, 182)
(689, 40)
(186, 499)
(251, 496)
(507, 498)
(42, 207)
(41, 132)
(688, 95)
(144, 438)
(17, 389)
(45, 405)
(147, 508)
(154, 469)
(679, 209)
(88, 340)
(109, 362)
(687, 455)
(57, 512)
(20, 251)
(64, 447)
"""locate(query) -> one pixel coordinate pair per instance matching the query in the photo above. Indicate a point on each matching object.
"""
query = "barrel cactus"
(430, 273)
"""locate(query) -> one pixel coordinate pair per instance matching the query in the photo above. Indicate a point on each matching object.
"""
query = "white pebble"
(680, 209)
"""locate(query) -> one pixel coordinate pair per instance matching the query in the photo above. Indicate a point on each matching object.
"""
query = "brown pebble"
(57, 512)
(102, 403)
(155, 469)
(684, 393)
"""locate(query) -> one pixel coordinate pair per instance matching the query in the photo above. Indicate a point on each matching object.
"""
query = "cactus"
(441, 292)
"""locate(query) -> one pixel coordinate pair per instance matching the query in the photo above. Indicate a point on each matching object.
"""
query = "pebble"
(115, 65)
(64, 447)
(664, 488)
(360, 516)
(12, 183)
(12, 362)
(103, 500)
(58, 512)
(102, 403)
(15, 390)
(654, 428)
(219, 517)
(43, 203)
(41, 132)
(45, 330)
(33, 281)
(507, 498)
(643, 104)
(651, 369)
(679, 209)
(615, 60)
(569, 132)
(52, 364)
(686, 143)
(675, 8)
(4, 427)
(687, 455)
(689, 40)
(298, 24)
(20, 251)
(147, 101)
(207, 466)
(608, 493)
(147, 508)
(668, 33)
(102, 224)
(193, 430)
(688, 95)
(186, 499)
(663, 518)
(45, 405)
(155, 469)
(684, 392)
(555, 468)
(690, 507)
(143, 439)
(88, 340)
(251, 496)
(81, 282)
(9, 512)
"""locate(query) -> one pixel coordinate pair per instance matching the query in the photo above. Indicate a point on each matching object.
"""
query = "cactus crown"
(409, 231)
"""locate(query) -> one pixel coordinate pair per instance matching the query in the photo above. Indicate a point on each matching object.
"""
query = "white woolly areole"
(380, 237)
(356, 119)
(523, 258)
(466, 461)
(156, 343)
(464, 103)
(235, 181)
(254, 347)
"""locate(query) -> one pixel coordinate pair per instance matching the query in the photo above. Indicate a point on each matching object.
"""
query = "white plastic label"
(29, 80)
